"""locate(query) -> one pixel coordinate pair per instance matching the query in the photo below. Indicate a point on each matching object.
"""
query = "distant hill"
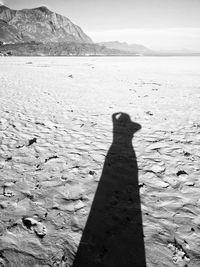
(39, 25)
(132, 48)
(58, 49)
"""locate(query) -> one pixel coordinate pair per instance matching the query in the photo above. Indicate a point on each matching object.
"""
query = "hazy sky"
(158, 24)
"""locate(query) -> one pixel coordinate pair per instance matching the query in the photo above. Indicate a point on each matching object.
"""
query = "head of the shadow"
(123, 128)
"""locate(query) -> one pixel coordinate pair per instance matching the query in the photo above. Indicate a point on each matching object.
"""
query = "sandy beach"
(56, 143)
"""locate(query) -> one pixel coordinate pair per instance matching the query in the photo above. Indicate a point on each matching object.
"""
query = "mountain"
(39, 31)
(38, 25)
(132, 48)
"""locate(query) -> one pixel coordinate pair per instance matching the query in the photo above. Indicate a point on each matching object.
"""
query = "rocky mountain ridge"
(38, 25)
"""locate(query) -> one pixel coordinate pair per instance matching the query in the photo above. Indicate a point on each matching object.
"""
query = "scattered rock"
(32, 141)
(39, 123)
(9, 159)
(8, 193)
(181, 173)
(40, 230)
(32, 224)
(187, 154)
(149, 113)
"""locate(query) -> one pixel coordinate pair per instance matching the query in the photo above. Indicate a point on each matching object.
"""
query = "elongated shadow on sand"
(113, 235)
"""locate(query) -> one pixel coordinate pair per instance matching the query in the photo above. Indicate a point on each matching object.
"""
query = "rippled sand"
(55, 132)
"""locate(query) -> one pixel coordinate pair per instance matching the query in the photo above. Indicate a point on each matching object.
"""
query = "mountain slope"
(39, 25)
(8, 32)
(135, 48)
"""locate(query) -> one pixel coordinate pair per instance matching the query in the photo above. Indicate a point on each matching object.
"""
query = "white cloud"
(2, 2)
(166, 38)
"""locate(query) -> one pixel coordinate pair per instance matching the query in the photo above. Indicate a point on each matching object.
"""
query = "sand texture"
(100, 162)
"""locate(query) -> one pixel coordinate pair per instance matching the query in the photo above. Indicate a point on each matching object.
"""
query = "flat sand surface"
(55, 132)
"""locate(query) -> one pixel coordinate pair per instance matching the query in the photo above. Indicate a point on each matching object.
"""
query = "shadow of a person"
(113, 235)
